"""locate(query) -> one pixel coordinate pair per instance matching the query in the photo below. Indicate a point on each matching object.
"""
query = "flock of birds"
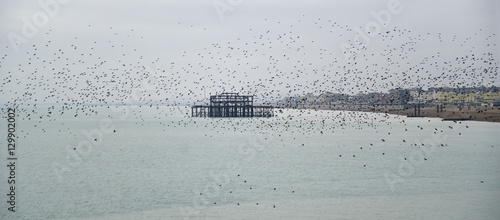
(274, 61)
(79, 76)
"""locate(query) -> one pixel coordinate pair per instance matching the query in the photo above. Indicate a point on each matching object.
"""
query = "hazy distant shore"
(450, 112)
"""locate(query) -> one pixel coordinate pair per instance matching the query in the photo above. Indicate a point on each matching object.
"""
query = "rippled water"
(122, 160)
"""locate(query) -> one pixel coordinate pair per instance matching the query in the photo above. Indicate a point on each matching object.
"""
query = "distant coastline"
(450, 112)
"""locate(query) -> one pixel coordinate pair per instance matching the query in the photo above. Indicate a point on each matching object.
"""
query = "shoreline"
(450, 112)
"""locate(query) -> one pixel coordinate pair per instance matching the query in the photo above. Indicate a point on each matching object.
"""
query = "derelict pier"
(231, 105)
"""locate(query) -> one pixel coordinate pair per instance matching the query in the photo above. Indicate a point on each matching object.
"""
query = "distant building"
(420, 96)
(329, 98)
(434, 95)
(289, 101)
(399, 96)
(309, 99)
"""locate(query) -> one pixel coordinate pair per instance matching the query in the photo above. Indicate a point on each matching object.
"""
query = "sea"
(158, 162)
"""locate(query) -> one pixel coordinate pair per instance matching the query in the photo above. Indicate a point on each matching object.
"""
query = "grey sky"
(269, 48)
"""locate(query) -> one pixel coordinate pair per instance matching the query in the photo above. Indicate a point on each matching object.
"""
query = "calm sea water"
(100, 161)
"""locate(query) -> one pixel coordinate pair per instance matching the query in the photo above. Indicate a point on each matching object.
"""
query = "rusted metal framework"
(231, 105)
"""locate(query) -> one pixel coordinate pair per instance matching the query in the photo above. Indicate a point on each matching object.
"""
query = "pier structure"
(417, 111)
(231, 105)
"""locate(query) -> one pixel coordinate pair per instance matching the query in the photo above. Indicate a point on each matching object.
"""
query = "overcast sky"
(180, 51)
